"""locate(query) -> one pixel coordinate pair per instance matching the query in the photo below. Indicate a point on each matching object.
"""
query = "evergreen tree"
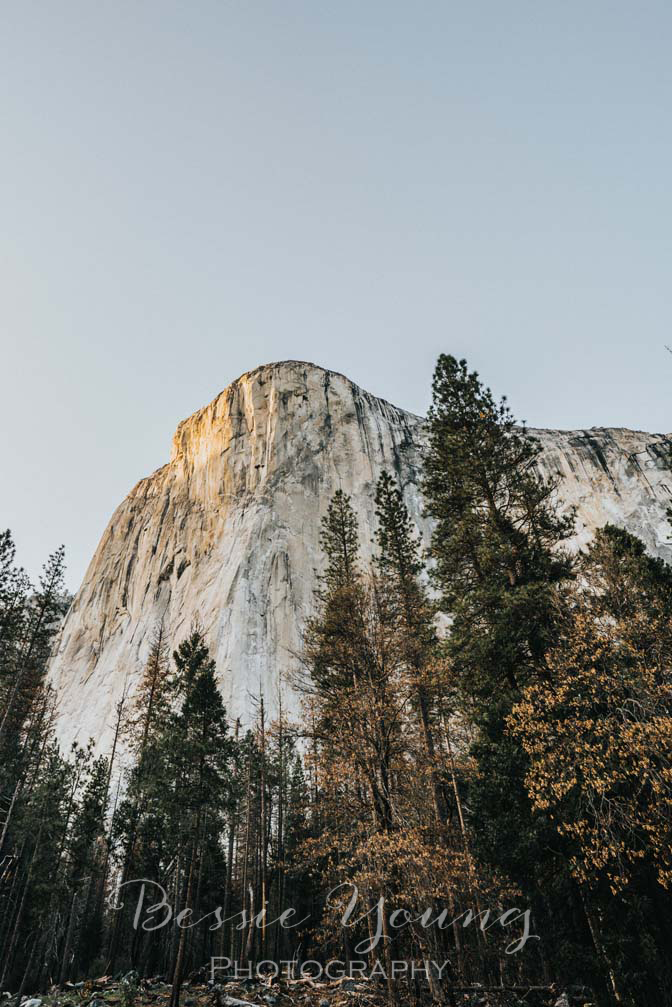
(349, 651)
(199, 753)
(504, 575)
(31, 621)
(339, 539)
(379, 779)
(36, 893)
(497, 543)
(85, 856)
(626, 586)
(401, 568)
(14, 591)
(139, 822)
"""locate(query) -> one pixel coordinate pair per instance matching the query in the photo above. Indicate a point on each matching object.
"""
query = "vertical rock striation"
(228, 531)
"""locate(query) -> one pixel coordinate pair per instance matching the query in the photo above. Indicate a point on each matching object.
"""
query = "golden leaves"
(600, 747)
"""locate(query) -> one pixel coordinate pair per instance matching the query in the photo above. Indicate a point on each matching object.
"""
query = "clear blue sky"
(190, 190)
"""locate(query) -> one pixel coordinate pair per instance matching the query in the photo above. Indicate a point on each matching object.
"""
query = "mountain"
(228, 531)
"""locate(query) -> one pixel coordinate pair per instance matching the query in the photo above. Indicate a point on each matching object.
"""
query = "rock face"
(228, 531)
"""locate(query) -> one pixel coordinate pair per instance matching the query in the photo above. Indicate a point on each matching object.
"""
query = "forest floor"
(107, 992)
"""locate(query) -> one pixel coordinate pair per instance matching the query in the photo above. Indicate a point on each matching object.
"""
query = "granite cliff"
(228, 530)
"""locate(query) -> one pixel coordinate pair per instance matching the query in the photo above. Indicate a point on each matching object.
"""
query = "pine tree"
(85, 854)
(379, 772)
(627, 586)
(200, 754)
(349, 652)
(26, 663)
(14, 591)
(497, 543)
(401, 567)
(38, 892)
(139, 821)
(504, 574)
(339, 539)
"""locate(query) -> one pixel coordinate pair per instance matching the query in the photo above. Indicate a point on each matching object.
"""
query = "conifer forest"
(473, 807)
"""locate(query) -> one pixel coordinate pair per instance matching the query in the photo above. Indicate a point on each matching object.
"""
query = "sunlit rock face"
(228, 531)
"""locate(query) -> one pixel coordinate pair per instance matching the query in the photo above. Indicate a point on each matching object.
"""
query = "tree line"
(486, 726)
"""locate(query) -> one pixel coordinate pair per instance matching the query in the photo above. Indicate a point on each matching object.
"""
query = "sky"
(189, 190)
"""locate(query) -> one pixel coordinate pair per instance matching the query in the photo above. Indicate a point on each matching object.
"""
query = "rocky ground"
(129, 992)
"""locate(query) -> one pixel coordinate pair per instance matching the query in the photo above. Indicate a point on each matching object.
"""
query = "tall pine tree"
(503, 573)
